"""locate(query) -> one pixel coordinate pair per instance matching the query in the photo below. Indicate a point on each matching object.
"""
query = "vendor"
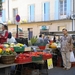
(4, 35)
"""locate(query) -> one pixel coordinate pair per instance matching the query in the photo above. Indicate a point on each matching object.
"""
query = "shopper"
(11, 39)
(46, 39)
(54, 39)
(40, 39)
(4, 34)
(66, 47)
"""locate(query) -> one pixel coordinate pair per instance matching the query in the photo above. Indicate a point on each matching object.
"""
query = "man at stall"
(66, 47)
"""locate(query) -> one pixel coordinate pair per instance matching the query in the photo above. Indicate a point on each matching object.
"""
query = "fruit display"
(7, 51)
(19, 47)
(1, 46)
(37, 56)
(21, 58)
(53, 45)
(13, 47)
(45, 55)
(7, 55)
(6, 45)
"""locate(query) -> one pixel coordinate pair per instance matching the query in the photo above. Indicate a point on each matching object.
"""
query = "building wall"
(53, 26)
(23, 11)
(23, 8)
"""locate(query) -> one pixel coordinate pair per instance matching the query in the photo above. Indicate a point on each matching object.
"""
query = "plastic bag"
(72, 58)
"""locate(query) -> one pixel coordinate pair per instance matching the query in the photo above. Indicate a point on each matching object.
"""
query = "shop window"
(61, 27)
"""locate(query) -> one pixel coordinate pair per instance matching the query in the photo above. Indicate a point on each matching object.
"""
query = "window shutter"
(68, 7)
(56, 9)
(46, 11)
(3, 16)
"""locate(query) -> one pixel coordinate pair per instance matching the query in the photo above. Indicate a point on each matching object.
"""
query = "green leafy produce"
(33, 40)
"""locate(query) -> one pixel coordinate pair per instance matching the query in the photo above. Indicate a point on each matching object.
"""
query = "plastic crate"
(19, 49)
(42, 47)
(37, 58)
(26, 60)
(45, 57)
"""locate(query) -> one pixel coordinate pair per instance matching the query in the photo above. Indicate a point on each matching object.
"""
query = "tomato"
(1, 46)
(12, 49)
(4, 49)
(21, 55)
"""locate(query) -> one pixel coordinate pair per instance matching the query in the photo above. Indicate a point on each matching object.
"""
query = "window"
(61, 27)
(63, 7)
(31, 13)
(46, 11)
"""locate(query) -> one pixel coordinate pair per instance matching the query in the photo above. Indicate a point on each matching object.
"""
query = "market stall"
(15, 54)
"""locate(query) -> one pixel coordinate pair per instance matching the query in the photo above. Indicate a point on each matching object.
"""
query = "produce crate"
(37, 58)
(47, 56)
(19, 49)
(42, 47)
(44, 55)
(25, 60)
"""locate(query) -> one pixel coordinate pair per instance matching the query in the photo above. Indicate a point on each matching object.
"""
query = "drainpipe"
(73, 18)
(8, 10)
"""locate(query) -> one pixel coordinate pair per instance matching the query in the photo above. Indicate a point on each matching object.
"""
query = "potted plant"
(33, 40)
(42, 45)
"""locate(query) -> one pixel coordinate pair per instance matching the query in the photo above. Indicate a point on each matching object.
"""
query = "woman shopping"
(4, 34)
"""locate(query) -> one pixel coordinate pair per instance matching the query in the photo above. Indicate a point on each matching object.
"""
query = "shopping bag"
(72, 58)
(50, 63)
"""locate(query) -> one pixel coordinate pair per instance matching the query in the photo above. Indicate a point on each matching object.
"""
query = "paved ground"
(60, 71)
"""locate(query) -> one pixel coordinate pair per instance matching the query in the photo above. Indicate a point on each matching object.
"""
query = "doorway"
(30, 33)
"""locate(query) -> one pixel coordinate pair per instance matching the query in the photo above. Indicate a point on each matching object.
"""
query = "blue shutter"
(46, 11)
(56, 9)
(3, 0)
(68, 7)
(3, 16)
(32, 13)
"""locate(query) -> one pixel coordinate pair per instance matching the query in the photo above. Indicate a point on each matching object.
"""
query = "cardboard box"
(27, 49)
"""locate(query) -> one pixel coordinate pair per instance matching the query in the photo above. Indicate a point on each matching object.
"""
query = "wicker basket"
(8, 59)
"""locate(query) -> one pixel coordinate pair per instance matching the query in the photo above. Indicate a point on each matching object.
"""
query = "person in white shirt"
(10, 39)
